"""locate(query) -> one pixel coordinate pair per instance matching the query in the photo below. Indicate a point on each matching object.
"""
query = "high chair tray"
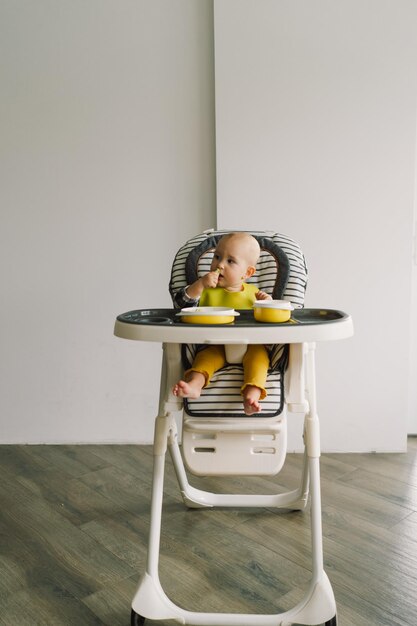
(165, 325)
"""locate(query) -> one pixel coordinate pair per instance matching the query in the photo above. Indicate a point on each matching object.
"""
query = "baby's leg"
(206, 362)
(191, 386)
(255, 366)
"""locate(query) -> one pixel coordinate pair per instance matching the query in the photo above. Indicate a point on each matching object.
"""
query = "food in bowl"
(208, 315)
(272, 311)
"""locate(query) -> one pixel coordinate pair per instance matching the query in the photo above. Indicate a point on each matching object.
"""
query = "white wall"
(107, 166)
(315, 137)
(412, 386)
(107, 135)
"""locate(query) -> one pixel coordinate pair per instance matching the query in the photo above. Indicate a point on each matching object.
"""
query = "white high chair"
(219, 439)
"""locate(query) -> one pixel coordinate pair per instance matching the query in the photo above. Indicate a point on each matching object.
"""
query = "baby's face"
(231, 260)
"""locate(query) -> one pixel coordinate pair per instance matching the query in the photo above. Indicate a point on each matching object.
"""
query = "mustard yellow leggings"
(255, 365)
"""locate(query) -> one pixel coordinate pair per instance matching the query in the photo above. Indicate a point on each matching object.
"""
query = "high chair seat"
(223, 398)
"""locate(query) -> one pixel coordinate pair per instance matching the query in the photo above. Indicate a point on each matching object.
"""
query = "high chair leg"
(150, 599)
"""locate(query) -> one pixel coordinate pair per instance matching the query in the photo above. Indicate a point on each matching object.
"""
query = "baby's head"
(235, 258)
(243, 243)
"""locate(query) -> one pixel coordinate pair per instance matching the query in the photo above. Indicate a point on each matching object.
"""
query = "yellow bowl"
(208, 319)
(208, 315)
(272, 311)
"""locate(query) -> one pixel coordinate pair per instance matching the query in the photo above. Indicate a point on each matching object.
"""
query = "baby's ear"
(250, 271)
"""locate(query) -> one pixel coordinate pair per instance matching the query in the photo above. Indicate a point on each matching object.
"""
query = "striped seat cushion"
(222, 397)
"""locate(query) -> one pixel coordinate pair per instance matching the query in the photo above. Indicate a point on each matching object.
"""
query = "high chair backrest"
(281, 269)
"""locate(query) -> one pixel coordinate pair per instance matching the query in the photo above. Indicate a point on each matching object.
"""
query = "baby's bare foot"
(184, 389)
(251, 402)
(251, 406)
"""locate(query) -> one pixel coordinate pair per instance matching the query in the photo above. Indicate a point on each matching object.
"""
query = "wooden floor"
(74, 523)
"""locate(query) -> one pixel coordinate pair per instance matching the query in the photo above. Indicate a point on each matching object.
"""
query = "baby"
(234, 261)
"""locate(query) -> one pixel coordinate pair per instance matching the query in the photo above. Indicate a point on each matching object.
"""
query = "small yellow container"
(272, 311)
(208, 315)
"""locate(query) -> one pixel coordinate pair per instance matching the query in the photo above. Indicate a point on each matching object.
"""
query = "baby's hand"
(210, 280)
(262, 295)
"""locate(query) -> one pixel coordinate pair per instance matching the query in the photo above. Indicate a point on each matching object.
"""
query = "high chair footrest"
(225, 447)
(268, 425)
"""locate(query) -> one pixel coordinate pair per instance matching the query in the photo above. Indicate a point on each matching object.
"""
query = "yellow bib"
(218, 296)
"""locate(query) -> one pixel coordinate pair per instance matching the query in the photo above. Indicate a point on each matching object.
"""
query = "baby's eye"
(231, 261)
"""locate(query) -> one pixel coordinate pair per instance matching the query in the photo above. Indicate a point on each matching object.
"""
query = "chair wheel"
(135, 619)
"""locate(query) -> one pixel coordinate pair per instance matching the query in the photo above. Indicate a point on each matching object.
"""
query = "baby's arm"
(207, 281)
(190, 295)
(262, 295)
